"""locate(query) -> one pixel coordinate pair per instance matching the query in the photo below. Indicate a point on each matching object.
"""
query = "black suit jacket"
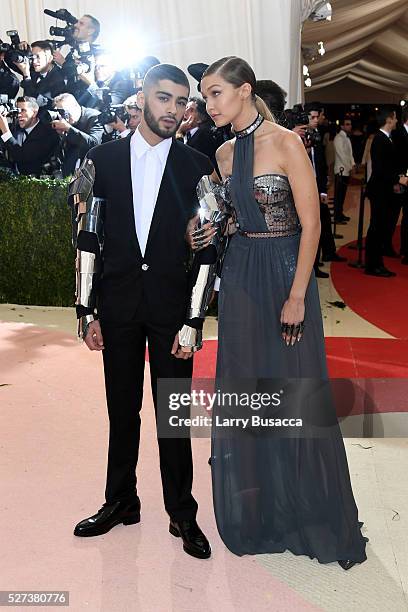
(82, 136)
(204, 140)
(37, 149)
(45, 89)
(320, 168)
(400, 138)
(385, 167)
(164, 285)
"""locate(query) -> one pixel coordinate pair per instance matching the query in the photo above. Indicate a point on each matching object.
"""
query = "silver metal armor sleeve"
(205, 272)
(88, 220)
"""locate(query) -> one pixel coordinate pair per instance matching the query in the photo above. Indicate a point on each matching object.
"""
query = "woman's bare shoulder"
(280, 134)
(225, 151)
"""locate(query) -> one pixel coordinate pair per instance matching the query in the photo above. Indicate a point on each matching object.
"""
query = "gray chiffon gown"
(276, 493)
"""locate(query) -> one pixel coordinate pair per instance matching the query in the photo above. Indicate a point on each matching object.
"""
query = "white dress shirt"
(344, 153)
(147, 165)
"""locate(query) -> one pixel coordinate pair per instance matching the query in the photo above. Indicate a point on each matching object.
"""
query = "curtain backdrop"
(267, 33)
(366, 42)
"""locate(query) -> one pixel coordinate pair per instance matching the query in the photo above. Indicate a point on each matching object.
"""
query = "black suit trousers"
(377, 231)
(124, 363)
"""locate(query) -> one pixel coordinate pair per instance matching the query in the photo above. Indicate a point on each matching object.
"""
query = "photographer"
(104, 77)
(33, 144)
(79, 129)
(128, 124)
(9, 84)
(197, 130)
(45, 80)
(315, 150)
(85, 32)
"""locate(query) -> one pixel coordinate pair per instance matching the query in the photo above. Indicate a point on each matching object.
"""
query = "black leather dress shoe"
(334, 257)
(320, 273)
(382, 272)
(347, 564)
(194, 541)
(107, 517)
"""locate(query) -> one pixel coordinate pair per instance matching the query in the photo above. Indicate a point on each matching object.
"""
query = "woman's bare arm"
(304, 188)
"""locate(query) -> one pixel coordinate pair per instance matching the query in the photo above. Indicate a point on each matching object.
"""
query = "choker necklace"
(251, 128)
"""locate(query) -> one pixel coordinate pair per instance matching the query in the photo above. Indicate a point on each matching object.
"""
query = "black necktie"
(188, 136)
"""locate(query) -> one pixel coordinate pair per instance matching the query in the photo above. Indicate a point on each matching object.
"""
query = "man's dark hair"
(313, 107)
(272, 94)
(96, 25)
(201, 108)
(386, 112)
(163, 72)
(31, 102)
(43, 44)
(404, 115)
(344, 119)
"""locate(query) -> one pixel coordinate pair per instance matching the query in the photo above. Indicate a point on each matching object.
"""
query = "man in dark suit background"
(315, 150)
(196, 129)
(33, 144)
(382, 188)
(79, 131)
(148, 182)
(45, 80)
(400, 138)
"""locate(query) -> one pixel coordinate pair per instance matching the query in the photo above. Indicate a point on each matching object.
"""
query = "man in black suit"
(9, 83)
(30, 147)
(196, 129)
(80, 130)
(315, 150)
(45, 80)
(400, 138)
(104, 78)
(148, 184)
(382, 188)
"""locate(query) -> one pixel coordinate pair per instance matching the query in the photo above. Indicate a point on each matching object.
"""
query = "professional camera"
(68, 31)
(296, 116)
(110, 113)
(48, 116)
(12, 51)
(8, 107)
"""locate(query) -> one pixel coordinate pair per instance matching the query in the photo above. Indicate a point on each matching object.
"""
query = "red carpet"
(381, 301)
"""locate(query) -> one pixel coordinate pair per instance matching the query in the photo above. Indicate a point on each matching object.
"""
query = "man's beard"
(155, 127)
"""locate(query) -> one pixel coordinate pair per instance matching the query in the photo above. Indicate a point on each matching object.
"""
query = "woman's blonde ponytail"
(263, 109)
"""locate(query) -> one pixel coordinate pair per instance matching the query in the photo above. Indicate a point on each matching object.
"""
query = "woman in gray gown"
(273, 493)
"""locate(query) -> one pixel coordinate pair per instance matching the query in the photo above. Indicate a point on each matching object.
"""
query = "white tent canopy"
(366, 47)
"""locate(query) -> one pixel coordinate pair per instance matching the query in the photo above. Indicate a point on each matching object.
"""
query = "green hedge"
(37, 260)
(36, 254)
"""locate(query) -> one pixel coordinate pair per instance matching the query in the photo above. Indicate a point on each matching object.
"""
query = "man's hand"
(87, 77)
(300, 130)
(118, 125)
(61, 126)
(24, 67)
(93, 338)
(4, 125)
(58, 57)
(180, 352)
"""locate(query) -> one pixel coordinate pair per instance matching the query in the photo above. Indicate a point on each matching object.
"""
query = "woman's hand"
(199, 239)
(292, 317)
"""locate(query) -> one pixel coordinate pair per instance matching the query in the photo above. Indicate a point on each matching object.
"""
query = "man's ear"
(140, 100)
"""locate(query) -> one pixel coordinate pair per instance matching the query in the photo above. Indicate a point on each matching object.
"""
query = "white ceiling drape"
(267, 33)
(367, 43)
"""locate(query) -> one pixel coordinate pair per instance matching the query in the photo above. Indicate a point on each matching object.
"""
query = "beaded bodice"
(274, 197)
